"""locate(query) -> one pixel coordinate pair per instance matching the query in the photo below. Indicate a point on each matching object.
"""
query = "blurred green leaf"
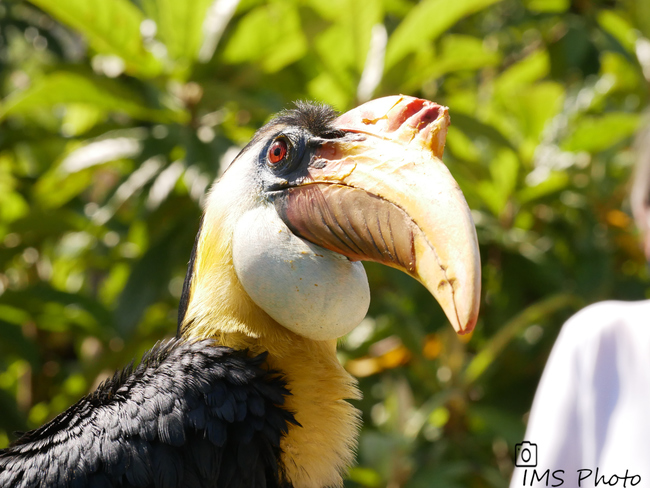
(461, 145)
(625, 75)
(12, 206)
(365, 476)
(530, 69)
(504, 169)
(595, 134)
(474, 128)
(555, 182)
(148, 280)
(428, 20)
(514, 326)
(111, 27)
(457, 52)
(330, 90)
(345, 44)
(72, 88)
(548, 6)
(270, 35)
(621, 29)
(461, 52)
(37, 297)
(15, 344)
(79, 118)
(179, 24)
(58, 188)
(449, 475)
(13, 315)
(535, 106)
(497, 422)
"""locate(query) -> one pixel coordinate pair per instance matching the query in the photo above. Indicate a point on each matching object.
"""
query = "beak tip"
(417, 182)
(468, 327)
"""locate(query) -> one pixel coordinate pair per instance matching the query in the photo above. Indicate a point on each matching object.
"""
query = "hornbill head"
(313, 194)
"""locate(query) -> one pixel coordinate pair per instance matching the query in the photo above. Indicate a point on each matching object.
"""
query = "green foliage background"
(117, 114)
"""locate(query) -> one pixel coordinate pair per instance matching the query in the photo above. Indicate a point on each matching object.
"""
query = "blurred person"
(589, 424)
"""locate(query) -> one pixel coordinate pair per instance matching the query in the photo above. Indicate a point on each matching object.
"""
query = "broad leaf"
(179, 25)
(503, 169)
(548, 6)
(535, 106)
(426, 22)
(345, 44)
(111, 27)
(464, 53)
(595, 134)
(71, 88)
(530, 69)
(337, 92)
(620, 28)
(554, 183)
(271, 35)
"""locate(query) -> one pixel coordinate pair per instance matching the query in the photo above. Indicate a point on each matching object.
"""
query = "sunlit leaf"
(555, 182)
(425, 22)
(619, 27)
(329, 9)
(38, 297)
(527, 71)
(548, 6)
(329, 89)
(625, 75)
(56, 190)
(75, 171)
(473, 127)
(73, 88)
(13, 315)
(345, 44)
(460, 52)
(504, 169)
(12, 206)
(79, 118)
(365, 476)
(179, 24)
(271, 35)
(111, 27)
(595, 134)
(461, 145)
(535, 106)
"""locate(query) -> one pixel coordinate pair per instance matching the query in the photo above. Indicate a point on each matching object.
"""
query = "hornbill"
(250, 393)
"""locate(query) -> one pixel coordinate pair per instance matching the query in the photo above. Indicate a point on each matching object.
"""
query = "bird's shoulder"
(190, 414)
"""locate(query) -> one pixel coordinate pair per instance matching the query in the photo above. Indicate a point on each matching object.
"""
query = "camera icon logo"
(526, 455)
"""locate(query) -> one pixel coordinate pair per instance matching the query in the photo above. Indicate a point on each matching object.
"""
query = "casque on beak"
(382, 193)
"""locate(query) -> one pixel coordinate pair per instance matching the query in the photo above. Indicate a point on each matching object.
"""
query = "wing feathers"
(188, 415)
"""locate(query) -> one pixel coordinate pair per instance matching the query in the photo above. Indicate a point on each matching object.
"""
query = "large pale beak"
(382, 193)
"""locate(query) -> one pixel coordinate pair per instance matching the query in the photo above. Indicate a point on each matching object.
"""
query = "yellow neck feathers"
(316, 453)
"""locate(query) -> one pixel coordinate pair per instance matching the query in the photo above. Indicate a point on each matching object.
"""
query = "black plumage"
(316, 118)
(189, 415)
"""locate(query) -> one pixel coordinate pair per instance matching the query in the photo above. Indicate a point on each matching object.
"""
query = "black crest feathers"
(317, 118)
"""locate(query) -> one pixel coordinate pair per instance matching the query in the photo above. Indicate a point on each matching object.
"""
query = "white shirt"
(592, 406)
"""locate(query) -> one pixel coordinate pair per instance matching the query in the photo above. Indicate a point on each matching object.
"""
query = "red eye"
(277, 151)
